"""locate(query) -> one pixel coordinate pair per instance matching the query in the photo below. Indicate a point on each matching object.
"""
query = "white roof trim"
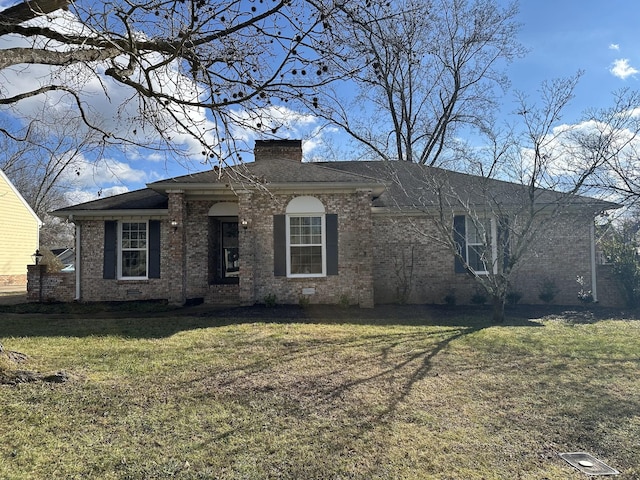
(71, 214)
(24, 202)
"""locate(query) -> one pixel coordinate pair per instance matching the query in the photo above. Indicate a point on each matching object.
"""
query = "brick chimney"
(283, 149)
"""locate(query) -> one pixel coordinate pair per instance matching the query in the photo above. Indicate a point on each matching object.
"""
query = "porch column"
(246, 244)
(176, 262)
(34, 282)
(365, 264)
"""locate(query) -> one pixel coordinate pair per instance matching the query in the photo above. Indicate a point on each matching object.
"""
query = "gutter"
(105, 214)
(594, 266)
(78, 265)
(208, 189)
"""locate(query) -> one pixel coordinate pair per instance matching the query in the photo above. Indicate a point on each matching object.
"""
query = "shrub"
(547, 290)
(479, 298)
(625, 266)
(270, 300)
(513, 297)
(52, 262)
(304, 301)
(585, 296)
(344, 301)
(450, 299)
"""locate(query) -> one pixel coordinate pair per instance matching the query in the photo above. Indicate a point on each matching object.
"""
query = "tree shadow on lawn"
(131, 320)
(389, 367)
(135, 322)
(372, 391)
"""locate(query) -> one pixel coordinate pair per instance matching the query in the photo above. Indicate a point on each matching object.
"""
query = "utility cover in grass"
(588, 464)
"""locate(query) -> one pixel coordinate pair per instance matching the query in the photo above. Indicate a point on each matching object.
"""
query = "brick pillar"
(246, 244)
(34, 282)
(176, 266)
(365, 267)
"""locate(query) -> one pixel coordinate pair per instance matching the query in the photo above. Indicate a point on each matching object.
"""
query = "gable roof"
(27, 207)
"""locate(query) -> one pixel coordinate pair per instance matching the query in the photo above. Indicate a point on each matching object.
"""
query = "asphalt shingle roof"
(406, 185)
(414, 185)
(144, 199)
(271, 171)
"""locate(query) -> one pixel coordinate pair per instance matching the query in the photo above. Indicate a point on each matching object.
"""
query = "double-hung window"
(475, 239)
(306, 245)
(305, 240)
(479, 244)
(133, 250)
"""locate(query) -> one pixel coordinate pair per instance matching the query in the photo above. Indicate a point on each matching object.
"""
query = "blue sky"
(562, 36)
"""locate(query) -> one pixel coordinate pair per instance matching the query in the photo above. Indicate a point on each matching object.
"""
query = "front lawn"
(393, 393)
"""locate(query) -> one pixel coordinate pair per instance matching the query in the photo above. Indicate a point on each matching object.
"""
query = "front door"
(223, 250)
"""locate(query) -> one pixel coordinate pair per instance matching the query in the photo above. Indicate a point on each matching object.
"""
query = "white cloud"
(81, 196)
(563, 156)
(106, 172)
(101, 174)
(108, 105)
(614, 46)
(622, 69)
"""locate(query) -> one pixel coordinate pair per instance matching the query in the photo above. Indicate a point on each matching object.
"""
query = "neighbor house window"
(475, 240)
(305, 240)
(133, 250)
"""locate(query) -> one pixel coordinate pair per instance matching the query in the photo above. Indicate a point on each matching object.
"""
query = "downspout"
(594, 266)
(77, 265)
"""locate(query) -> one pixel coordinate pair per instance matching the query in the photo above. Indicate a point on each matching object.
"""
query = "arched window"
(306, 244)
(306, 240)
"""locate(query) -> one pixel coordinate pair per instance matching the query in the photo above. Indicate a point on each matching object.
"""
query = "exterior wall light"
(244, 223)
(174, 224)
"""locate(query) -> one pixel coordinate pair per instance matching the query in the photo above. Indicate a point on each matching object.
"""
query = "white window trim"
(323, 226)
(494, 246)
(120, 224)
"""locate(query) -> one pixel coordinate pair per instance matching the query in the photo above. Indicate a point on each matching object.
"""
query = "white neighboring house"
(19, 235)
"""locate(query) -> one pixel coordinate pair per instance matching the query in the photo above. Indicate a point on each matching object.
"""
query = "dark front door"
(223, 250)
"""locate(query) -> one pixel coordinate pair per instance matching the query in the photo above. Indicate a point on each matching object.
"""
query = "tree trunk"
(498, 308)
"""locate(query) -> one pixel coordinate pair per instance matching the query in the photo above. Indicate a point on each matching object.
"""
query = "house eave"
(111, 214)
(230, 189)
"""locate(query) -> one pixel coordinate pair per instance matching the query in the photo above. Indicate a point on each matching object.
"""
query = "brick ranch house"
(282, 229)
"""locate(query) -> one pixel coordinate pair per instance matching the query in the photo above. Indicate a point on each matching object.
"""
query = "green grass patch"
(302, 394)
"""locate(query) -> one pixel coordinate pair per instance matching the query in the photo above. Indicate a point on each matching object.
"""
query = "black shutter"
(154, 249)
(460, 240)
(110, 247)
(503, 238)
(331, 222)
(279, 245)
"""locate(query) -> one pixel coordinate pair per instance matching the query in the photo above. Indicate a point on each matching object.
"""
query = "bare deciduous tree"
(550, 166)
(186, 67)
(426, 70)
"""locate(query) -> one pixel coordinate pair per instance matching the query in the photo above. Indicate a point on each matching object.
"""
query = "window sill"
(305, 277)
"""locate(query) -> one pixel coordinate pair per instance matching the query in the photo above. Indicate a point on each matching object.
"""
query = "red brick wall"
(94, 288)
(352, 284)
(410, 258)
(45, 286)
(389, 258)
